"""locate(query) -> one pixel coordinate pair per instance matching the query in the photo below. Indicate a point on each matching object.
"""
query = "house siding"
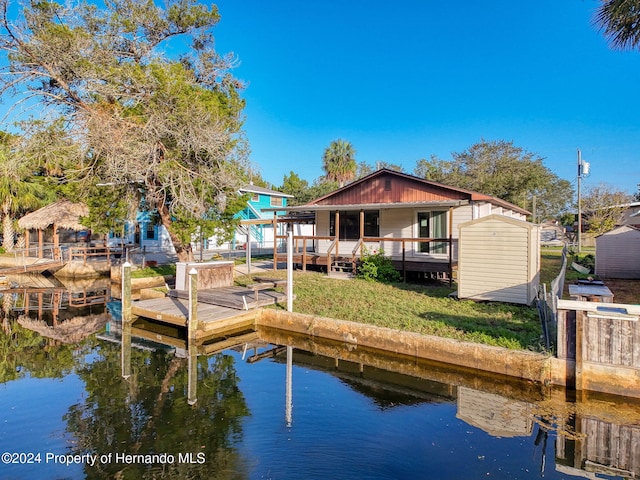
(396, 223)
(263, 202)
(618, 253)
(398, 190)
(399, 197)
(498, 260)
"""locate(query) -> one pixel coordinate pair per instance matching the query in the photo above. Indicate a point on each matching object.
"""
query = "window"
(150, 231)
(372, 223)
(350, 224)
(255, 197)
(432, 225)
(276, 201)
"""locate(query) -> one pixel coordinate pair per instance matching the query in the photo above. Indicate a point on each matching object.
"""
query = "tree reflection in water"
(149, 413)
(152, 411)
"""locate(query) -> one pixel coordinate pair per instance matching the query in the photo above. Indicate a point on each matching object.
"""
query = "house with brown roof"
(412, 220)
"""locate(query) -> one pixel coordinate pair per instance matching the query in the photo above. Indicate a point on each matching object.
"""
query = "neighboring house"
(146, 232)
(631, 215)
(262, 205)
(618, 253)
(552, 233)
(413, 220)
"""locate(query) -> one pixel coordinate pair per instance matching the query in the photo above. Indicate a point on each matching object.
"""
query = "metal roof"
(255, 189)
(370, 206)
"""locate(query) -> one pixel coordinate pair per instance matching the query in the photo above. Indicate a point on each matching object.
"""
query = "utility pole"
(579, 237)
(583, 171)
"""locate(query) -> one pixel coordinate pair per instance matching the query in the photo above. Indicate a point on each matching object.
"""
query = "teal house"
(260, 206)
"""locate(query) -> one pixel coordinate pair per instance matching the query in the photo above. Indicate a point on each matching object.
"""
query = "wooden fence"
(602, 341)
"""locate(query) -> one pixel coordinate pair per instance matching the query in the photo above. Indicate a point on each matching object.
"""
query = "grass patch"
(423, 309)
(624, 290)
(156, 270)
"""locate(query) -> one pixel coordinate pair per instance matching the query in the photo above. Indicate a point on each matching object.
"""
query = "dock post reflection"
(126, 320)
(126, 349)
(192, 368)
(289, 383)
(288, 411)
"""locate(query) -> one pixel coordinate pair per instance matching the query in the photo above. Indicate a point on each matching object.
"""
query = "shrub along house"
(412, 220)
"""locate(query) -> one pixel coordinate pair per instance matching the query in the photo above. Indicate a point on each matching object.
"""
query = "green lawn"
(415, 308)
(425, 309)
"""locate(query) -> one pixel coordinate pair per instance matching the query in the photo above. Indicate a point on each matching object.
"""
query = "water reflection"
(594, 434)
(146, 389)
(52, 300)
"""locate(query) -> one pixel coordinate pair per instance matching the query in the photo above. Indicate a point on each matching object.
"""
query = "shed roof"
(500, 218)
(63, 213)
(615, 230)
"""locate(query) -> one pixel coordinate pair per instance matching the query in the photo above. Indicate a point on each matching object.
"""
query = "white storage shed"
(499, 260)
(618, 253)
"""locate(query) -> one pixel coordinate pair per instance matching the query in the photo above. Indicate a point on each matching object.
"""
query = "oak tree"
(506, 171)
(163, 129)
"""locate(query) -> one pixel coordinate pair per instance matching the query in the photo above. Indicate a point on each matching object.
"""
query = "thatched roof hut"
(70, 331)
(61, 214)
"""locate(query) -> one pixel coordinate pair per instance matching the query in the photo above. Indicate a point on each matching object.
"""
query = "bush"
(376, 267)
(588, 261)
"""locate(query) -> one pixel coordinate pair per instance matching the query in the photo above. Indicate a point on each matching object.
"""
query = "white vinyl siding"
(618, 253)
(499, 260)
(396, 223)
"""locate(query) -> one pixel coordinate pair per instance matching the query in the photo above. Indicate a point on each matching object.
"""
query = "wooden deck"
(225, 309)
(422, 266)
(37, 267)
(238, 298)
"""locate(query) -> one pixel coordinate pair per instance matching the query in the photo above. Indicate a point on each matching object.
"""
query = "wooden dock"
(37, 267)
(224, 309)
(239, 298)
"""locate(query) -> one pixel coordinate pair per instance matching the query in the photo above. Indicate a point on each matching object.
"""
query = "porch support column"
(450, 246)
(56, 242)
(40, 242)
(275, 241)
(361, 224)
(337, 231)
(404, 261)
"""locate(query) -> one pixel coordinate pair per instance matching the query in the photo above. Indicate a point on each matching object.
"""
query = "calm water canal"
(260, 410)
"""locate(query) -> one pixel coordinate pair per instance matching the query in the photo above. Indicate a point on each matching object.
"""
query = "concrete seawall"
(520, 364)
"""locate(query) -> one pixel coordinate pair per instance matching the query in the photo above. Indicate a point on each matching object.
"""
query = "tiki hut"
(62, 214)
(70, 331)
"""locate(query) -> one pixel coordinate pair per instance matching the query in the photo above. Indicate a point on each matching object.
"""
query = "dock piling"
(192, 321)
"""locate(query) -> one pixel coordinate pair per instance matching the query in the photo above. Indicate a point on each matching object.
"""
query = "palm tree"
(18, 192)
(620, 22)
(339, 162)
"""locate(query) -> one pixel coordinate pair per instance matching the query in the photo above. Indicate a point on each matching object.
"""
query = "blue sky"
(404, 80)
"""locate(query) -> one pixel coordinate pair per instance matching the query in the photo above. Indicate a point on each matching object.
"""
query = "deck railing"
(88, 253)
(46, 253)
(356, 253)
